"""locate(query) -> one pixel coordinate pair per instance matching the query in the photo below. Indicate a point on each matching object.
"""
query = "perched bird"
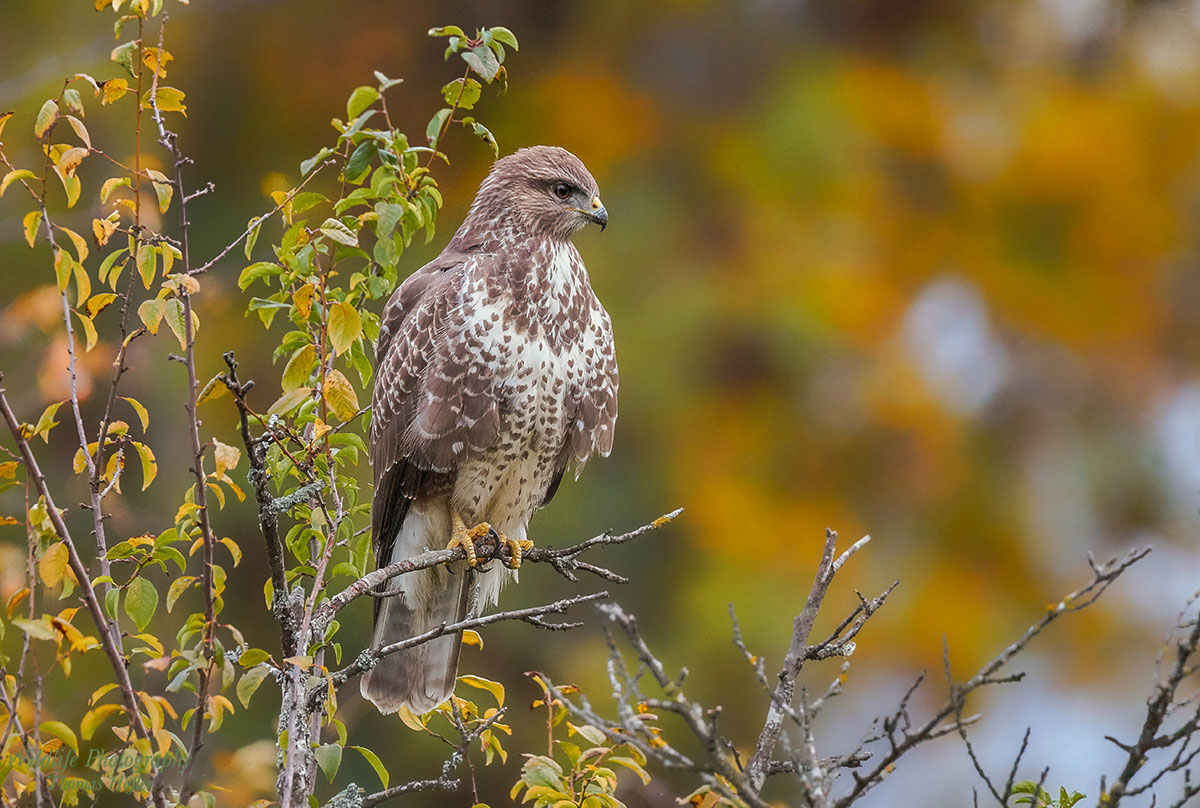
(496, 373)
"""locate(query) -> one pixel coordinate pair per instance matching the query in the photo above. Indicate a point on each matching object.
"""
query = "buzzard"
(496, 373)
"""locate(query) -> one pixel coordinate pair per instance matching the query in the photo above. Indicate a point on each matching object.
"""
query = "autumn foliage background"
(924, 270)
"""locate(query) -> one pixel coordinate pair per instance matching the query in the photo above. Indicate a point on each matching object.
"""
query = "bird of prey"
(496, 373)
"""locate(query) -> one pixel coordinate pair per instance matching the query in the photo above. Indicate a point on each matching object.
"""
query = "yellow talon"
(466, 538)
(518, 548)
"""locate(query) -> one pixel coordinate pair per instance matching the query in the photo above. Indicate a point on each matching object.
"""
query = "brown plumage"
(496, 372)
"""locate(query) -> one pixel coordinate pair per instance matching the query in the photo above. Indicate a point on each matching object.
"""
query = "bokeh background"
(925, 270)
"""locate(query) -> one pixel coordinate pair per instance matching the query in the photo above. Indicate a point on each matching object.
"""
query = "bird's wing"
(593, 413)
(434, 401)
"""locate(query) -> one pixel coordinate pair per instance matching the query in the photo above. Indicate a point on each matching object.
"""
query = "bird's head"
(545, 190)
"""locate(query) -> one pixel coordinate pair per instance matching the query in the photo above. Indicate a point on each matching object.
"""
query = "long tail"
(421, 677)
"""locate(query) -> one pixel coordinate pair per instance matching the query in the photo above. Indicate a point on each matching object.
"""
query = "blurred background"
(925, 270)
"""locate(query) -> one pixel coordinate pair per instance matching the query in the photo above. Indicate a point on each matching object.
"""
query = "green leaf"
(462, 92)
(446, 30)
(13, 176)
(178, 587)
(345, 326)
(339, 232)
(305, 200)
(73, 101)
(37, 629)
(262, 269)
(376, 764)
(505, 36)
(329, 758)
(151, 313)
(111, 600)
(483, 61)
(174, 317)
(46, 117)
(124, 55)
(107, 264)
(162, 188)
(249, 683)
(147, 263)
(360, 161)
(360, 99)
(483, 133)
(434, 128)
(252, 657)
(61, 731)
(307, 165)
(141, 601)
(387, 217)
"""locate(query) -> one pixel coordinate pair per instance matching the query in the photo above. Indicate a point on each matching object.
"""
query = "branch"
(107, 641)
(797, 653)
(564, 561)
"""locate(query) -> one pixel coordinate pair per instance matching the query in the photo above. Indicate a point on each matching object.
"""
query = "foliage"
(340, 236)
(1032, 794)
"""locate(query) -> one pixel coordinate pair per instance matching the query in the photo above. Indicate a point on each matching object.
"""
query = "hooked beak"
(597, 214)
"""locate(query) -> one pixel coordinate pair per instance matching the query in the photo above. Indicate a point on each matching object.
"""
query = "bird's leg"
(517, 547)
(462, 535)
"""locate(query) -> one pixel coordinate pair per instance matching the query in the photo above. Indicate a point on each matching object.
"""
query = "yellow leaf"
(227, 456)
(149, 464)
(113, 90)
(62, 268)
(13, 176)
(94, 717)
(15, 599)
(32, 221)
(81, 248)
(471, 637)
(142, 414)
(89, 331)
(151, 312)
(61, 731)
(102, 230)
(302, 298)
(53, 563)
(157, 61)
(111, 184)
(83, 283)
(495, 688)
(345, 326)
(80, 130)
(340, 395)
(98, 303)
(71, 159)
(3, 120)
(410, 719)
(289, 401)
(167, 99)
(299, 367)
(46, 117)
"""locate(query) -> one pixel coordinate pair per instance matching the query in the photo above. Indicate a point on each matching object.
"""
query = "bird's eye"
(562, 190)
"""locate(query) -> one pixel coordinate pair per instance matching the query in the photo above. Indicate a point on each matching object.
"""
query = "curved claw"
(517, 549)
